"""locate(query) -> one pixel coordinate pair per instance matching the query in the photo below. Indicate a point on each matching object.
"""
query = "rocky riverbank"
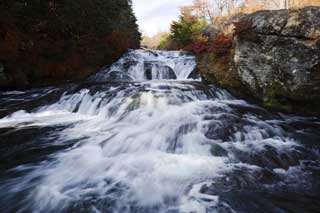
(272, 56)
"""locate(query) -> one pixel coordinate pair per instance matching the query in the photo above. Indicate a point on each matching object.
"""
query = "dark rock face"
(158, 69)
(277, 55)
(44, 42)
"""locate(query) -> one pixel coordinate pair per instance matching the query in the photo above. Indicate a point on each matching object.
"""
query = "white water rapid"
(139, 65)
(149, 146)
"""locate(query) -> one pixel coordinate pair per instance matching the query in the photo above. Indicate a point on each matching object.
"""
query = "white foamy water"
(142, 147)
(142, 65)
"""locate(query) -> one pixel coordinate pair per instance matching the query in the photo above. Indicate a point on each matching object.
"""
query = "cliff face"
(55, 41)
(275, 58)
(277, 55)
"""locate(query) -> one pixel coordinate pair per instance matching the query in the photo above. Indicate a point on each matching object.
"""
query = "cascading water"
(139, 65)
(132, 145)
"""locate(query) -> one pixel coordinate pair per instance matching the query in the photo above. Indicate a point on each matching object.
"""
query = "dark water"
(153, 146)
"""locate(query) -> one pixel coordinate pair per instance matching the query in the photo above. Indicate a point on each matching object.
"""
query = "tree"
(203, 9)
(183, 30)
(152, 42)
(58, 37)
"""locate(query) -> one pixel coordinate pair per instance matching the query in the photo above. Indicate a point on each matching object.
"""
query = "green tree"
(182, 31)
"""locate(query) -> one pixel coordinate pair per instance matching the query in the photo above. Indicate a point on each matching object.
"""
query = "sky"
(157, 15)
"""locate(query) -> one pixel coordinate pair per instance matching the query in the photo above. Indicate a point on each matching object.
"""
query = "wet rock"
(117, 76)
(194, 74)
(263, 190)
(161, 70)
(128, 64)
(218, 151)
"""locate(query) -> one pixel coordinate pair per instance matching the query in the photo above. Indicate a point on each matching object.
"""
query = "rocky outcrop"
(277, 55)
(44, 42)
(275, 58)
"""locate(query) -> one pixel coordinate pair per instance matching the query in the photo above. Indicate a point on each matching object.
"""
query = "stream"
(146, 135)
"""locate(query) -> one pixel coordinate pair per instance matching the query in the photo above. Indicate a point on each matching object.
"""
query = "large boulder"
(44, 42)
(277, 56)
(270, 56)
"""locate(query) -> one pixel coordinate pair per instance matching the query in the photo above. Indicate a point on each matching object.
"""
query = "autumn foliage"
(58, 40)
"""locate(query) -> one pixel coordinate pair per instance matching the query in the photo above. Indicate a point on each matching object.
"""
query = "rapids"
(146, 135)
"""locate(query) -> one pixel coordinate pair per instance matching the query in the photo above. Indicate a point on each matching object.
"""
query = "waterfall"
(139, 65)
(141, 137)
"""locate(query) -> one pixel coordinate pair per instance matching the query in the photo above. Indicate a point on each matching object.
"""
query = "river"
(146, 135)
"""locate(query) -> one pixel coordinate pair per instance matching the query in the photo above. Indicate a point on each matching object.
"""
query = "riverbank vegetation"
(57, 40)
(192, 30)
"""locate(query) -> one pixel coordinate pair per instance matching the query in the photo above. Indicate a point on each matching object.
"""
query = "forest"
(56, 40)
